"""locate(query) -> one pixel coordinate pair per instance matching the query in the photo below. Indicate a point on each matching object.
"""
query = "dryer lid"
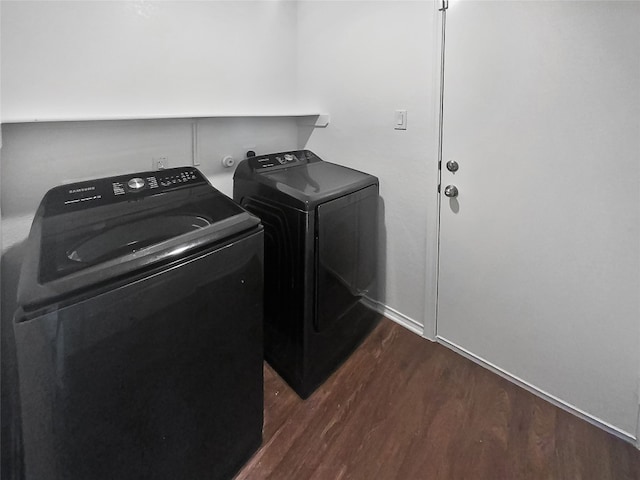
(304, 177)
(317, 181)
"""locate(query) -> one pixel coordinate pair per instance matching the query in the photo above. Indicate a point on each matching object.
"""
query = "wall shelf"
(307, 118)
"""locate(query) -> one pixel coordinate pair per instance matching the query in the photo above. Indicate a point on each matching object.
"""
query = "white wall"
(360, 61)
(135, 58)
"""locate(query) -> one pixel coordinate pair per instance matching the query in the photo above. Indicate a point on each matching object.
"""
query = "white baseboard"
(638, 430)
(626, 436)
(407, 322)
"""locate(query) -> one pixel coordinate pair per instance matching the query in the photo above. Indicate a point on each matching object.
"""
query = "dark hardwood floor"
(405, 408)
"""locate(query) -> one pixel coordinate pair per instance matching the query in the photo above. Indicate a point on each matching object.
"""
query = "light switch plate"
(400, 120)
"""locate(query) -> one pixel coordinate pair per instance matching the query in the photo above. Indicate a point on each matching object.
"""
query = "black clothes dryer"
(139, 332)
(321, 226)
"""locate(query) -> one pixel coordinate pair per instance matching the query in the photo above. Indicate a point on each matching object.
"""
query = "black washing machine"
(139, 332)
(321, 226)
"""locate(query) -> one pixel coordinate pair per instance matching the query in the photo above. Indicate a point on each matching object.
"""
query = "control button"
(289, 158)
(152, 182)
(135, 183)
(118, 188)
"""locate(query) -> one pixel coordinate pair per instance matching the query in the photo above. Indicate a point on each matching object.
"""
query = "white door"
(539, 271)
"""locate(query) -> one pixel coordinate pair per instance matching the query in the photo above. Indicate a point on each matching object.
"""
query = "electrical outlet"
(160, 163)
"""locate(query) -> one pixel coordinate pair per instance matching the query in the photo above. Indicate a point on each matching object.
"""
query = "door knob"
(452, 166)
(451, 191)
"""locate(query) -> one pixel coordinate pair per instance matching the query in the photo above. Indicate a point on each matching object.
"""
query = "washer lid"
(75, 244)
(128, 238)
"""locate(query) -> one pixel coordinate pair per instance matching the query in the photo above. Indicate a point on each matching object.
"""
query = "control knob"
(135, 183)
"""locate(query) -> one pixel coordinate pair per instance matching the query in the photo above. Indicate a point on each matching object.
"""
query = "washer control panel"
(276, 161)
(102, 191)
(160, 180)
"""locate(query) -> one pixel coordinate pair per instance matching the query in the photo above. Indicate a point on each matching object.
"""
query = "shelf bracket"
(317, 121)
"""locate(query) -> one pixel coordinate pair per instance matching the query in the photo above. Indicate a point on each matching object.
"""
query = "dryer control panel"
(102, 191)
(276, 161)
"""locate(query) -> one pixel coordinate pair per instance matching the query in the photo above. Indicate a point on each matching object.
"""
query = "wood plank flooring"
(405, 408)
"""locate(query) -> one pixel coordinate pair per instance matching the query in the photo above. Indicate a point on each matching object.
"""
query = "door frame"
(436, 92)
